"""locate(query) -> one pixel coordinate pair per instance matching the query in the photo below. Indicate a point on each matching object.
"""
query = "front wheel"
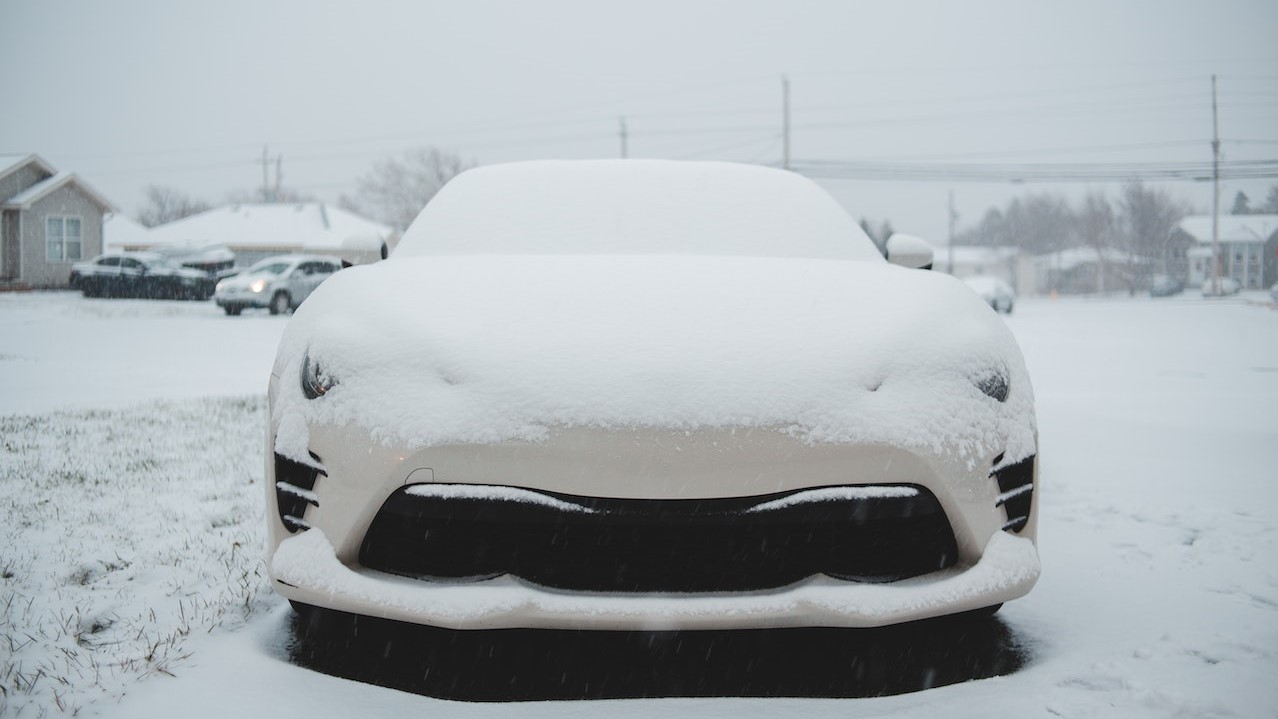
(279, 303)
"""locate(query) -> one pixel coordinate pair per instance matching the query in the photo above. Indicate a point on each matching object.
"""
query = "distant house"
(49, 220)
(978, 261)
(120, 232)
(1083, 270)
(1248, 249)
(255, 231)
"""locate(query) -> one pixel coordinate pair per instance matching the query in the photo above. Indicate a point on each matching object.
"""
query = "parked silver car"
(278, 283)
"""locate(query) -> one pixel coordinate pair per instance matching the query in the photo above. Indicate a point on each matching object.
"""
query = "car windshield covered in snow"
(635, 207)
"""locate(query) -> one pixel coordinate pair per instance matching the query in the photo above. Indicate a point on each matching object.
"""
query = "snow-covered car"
(648, 394)
(278, 284)
(1165, 286)
(996, 293)
(148, 275)
(1223, 287)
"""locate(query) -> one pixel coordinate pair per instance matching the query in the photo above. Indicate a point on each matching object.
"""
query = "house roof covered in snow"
(277, 227)
(1232, 228)
(23, 200)
(12, 162)
(120, 231)
(976, 254)
(1072, 257)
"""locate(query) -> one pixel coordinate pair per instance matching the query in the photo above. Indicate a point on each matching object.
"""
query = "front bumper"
(317, 561)
(242, 299)
(306, 569)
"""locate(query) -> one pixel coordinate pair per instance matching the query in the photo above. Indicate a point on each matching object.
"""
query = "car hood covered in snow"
(481, 349)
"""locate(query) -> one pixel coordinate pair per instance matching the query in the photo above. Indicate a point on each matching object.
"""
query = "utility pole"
(266, 166)
(785, 122)
(279, 174)
(625, 136)
(1215, 195)
(950, 243)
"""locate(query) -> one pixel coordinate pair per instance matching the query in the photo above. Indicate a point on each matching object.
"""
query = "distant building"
(1082, 270)
(49, 220)
(1248, 249)
(978, 261)
(256, 231)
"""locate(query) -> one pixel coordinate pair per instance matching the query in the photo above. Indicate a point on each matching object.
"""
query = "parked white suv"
(278, 283)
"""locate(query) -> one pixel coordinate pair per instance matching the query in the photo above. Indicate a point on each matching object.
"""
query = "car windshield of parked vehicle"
(627, 207)
(268, 268)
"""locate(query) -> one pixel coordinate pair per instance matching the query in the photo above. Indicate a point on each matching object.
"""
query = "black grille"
(294, 490)
(1016, 492)
(638, 545)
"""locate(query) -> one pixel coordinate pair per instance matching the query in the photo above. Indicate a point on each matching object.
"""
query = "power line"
(1037, 172)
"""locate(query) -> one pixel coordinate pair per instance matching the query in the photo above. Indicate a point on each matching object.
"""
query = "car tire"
(233, 311)
(280, 303)
(89, 288)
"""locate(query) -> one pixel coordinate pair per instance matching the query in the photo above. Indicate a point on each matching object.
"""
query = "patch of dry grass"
(123, 533)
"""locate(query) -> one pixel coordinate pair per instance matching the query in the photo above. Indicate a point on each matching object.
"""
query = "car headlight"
(316, 381)
(258, 286)
(994, 383)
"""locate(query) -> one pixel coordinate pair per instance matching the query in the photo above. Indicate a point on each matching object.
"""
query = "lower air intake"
(466, 532)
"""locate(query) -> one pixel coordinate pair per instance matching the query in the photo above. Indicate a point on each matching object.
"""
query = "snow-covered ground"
(130, 466)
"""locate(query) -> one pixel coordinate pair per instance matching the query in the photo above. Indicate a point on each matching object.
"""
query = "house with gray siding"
(49, 220)
(1248, 247)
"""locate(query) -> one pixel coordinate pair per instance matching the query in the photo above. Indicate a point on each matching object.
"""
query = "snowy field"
(131, 533)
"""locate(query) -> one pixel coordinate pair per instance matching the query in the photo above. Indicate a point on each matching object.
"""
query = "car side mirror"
(909, 251)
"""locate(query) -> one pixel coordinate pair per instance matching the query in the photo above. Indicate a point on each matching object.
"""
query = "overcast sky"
(186, 94)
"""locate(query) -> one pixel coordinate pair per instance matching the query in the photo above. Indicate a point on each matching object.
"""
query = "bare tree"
(397, 188)
(1146, 218)
(1096, 224)
(1271, 201)
(1242, 204)
(1037, 223)
(166, 204)
(276, 195)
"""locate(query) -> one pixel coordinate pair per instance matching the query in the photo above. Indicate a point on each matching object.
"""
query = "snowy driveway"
(131, 472)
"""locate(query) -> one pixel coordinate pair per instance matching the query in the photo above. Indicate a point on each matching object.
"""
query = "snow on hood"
(480, 349)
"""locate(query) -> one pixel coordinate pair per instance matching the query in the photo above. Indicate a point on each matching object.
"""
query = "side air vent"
(1016, 491)
(295, 490)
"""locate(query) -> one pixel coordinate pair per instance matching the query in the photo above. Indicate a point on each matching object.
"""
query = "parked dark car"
(140, 274)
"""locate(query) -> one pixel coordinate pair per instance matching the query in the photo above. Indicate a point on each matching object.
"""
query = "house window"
(62, 238)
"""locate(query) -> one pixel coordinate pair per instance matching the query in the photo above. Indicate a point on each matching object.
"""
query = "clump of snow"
(494, 493)
(835, 494)
(635, 207)
(478, 349)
